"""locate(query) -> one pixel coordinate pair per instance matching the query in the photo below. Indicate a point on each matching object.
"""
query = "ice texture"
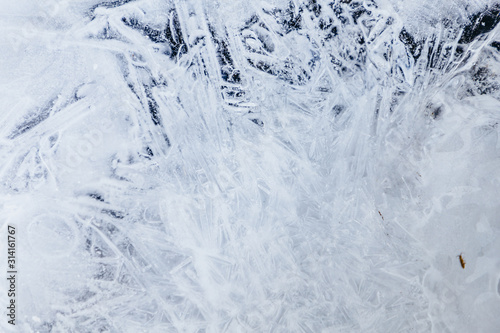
(251, 166)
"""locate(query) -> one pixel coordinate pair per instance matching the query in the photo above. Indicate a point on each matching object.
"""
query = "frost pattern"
(267, 166)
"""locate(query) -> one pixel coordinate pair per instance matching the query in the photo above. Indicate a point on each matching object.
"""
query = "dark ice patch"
(413, 46)
(481, 23)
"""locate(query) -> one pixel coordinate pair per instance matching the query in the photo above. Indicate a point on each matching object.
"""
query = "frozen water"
(251, 166)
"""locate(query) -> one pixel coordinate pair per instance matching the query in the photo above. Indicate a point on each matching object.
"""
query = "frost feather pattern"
(266, 166)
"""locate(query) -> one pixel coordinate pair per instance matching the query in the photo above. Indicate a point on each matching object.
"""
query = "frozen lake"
(250, 166)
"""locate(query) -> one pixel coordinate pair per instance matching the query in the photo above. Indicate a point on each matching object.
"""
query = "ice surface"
(251, 166)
